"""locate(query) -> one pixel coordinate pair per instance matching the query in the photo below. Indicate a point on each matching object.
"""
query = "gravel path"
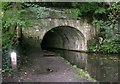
(46, 67)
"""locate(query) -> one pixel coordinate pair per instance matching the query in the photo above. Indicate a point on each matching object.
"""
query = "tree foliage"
(15, 16)
(11, 21)
(105, 17)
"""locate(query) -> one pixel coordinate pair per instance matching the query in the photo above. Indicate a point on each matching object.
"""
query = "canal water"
(102, 67)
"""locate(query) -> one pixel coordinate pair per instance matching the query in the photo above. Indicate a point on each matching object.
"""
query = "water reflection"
(99, 66)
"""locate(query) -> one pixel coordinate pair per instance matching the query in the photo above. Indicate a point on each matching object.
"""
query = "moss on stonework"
(80, 72)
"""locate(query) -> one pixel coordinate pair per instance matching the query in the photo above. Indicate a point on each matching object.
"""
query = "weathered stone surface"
(67, 33)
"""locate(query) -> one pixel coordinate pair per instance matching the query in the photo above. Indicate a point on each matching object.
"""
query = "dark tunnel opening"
(63, 37)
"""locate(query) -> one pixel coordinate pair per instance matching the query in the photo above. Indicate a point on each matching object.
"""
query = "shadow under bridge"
(63, 37)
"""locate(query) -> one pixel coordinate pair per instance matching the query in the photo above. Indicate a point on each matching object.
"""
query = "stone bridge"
(68, 34)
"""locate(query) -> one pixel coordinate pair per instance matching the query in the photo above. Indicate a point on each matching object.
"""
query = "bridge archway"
(64, 37)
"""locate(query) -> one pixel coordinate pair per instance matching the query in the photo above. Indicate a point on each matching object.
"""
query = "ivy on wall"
(13, 19)
(15, 16)
(103, 15)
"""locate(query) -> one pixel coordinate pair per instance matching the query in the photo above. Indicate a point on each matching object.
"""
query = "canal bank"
(45, 66)
(35, 64)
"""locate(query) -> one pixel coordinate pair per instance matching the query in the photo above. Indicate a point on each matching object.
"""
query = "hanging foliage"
(105, 16)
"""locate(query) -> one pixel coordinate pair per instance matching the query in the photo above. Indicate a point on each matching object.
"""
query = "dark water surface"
(103, 68)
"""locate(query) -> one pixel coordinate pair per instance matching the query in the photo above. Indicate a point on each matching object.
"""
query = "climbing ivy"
(17, 15)
(13, 19)
(74, 13)
(109, 30)
(104, 16)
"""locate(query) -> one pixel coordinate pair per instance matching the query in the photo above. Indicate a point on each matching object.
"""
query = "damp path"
(46, 67)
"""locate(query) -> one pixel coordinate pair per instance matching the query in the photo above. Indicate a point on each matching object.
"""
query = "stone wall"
(41, 26)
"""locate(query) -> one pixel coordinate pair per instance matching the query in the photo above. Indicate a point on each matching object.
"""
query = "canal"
(102, 67)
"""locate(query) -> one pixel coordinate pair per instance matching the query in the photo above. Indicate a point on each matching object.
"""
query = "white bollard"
(13, 60)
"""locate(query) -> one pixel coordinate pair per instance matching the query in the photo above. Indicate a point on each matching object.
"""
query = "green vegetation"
(104, 16)
(11, 23)
(13, 20)
(80, 72)
(16, 15)
(84, 74)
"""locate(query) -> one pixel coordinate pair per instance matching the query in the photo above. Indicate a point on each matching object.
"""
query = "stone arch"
(64, 37)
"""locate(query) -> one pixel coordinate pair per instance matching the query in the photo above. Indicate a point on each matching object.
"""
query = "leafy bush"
(103, 16)
(16, 15)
